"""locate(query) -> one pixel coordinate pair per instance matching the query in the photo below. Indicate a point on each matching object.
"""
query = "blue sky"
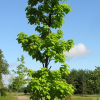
(81, 25)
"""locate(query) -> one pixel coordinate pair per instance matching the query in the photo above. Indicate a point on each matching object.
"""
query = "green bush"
(4, 91)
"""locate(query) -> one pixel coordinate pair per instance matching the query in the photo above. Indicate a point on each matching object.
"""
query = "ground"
(23, 98)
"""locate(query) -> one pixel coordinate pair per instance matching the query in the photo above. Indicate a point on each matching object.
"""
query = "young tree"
(21, 72)
(48, 45)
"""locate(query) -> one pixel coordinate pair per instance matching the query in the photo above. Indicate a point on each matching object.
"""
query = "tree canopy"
(48, 45)
(3, 67)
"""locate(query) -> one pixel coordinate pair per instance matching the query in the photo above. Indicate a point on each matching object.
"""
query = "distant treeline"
(85, 81)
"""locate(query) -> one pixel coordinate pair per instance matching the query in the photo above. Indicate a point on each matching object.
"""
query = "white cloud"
(77, 51)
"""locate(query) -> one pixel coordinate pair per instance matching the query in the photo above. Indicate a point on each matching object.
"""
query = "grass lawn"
(74, 97)
(79, 97)
(85, 97)
(8, 97)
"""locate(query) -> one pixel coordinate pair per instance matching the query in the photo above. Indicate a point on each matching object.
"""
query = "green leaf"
(44, 47)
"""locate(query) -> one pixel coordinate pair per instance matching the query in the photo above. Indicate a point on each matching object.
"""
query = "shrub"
(4, 91)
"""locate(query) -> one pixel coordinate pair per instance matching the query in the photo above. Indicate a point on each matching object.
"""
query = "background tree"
(3, 68)
(48, 45)
(10, 88)
(95, 80)
(4, 91)
(72, 77)
(85, 81)
(20, 80)
(89, 88)
(97, 74)
(80, 80)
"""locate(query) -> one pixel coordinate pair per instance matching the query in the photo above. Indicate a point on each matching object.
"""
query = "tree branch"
(50, 68)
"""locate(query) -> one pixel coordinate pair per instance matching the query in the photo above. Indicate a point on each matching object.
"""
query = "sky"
(81, 25)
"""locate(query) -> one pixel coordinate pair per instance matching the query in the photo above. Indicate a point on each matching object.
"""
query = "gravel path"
(23, 98)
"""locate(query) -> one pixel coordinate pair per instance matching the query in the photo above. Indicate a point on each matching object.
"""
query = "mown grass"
(85, 97)
(11, 96)
(79, 97)
(8, 97)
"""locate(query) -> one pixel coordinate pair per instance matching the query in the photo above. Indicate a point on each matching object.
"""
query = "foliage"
(95, 80)
(47, 46)
(22, 71)
(3, 67)
(40, 47)
(49, 84)
(23, 88)
(4, 91)
(85, 81)
(3, 64)
(10, 87)
(79, 79)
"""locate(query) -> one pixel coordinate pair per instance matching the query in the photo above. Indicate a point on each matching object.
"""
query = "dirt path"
(23, 98)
